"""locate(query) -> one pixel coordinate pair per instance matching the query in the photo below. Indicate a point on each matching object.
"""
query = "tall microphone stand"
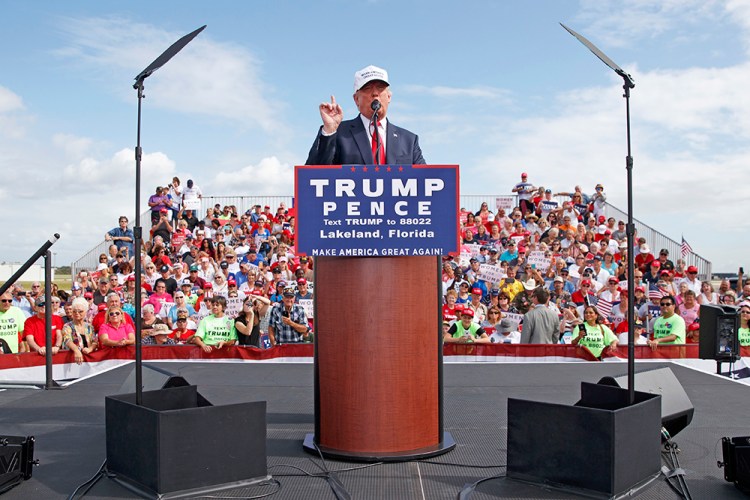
(630, 229)
(137, 229)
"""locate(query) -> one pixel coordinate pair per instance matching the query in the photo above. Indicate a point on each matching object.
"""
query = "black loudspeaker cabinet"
(601, 447)
(16, 460)
(676, 408)
(176, 444)
(736, 452)
(719, 335)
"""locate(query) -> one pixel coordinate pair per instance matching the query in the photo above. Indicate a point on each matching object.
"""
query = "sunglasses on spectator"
(666, 304)
(182, 320)
(6, 301)
(114, 313)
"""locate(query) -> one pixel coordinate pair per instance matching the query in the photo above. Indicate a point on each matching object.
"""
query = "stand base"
(144, 492)
(446, 445)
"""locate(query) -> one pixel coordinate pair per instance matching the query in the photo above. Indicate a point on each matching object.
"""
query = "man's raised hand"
(332, 114)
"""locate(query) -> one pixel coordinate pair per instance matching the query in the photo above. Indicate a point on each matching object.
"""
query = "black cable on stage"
(90, 483)
(262, 483)
(338, 487)
(468, 490)
(333, 480)
(461, 465)
(670, 454)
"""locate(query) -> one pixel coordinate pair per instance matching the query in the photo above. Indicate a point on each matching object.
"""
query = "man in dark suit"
(350, 142)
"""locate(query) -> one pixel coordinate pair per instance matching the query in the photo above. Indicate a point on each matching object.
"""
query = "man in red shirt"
(35, 330)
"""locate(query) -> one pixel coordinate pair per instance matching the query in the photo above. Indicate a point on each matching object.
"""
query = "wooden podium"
(378, 359)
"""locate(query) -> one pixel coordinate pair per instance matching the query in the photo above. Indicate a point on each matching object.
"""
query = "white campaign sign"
(505, 202)
(538, 260)
(307, 305)
(491, 273)
(515, 318)
(234, 306)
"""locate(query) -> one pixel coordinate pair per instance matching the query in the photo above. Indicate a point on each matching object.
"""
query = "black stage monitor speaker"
(600, 447)
(719, 335)
(153, 378)
(16, 460)
(178, 445)
(736, 452)
(676, 408)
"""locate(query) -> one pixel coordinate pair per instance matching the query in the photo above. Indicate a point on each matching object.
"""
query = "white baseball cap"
(368, 74)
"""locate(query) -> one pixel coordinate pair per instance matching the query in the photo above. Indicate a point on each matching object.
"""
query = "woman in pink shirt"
(116, 332)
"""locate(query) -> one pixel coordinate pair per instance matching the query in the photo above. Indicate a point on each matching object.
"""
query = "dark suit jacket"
(350, 145)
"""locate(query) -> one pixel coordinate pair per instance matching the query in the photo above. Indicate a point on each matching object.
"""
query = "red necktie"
(377, 148)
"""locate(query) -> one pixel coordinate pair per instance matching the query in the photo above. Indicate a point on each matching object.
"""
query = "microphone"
(375, 105)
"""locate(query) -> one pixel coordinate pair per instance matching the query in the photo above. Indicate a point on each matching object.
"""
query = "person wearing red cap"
(692, 280)
(585, 294)
(479, 309)
(303, 293)
(610, 292)
(653, 273)
(466, 331)
(525, 191)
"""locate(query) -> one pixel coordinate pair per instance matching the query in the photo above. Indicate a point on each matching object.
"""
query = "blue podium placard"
(376, 210)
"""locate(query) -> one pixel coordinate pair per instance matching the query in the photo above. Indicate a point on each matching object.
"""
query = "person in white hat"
(350, 142)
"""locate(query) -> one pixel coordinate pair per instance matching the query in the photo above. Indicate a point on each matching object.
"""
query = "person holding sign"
(525, 190)
(351, 142)
(593, 335)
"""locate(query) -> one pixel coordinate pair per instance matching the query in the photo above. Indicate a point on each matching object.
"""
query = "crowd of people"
(549, 271)
(537, 272)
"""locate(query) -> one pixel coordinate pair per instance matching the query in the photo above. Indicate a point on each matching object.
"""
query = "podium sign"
(377, 210)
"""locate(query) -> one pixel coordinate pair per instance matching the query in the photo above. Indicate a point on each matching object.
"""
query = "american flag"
(604, 307)
(655, 293)
(685, 248)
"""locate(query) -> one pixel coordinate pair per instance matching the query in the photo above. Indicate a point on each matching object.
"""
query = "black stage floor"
(70, 433)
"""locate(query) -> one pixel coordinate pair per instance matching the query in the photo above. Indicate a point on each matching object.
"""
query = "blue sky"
(497, 87)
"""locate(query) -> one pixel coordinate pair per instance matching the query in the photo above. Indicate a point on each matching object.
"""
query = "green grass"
(61, 280)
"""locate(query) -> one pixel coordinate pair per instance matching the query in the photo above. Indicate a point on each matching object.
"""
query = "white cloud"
(479, 92)
(615, 23)
(268, 177)
(13, 116)
(207, 77)
(9, 101)
(74, 147)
